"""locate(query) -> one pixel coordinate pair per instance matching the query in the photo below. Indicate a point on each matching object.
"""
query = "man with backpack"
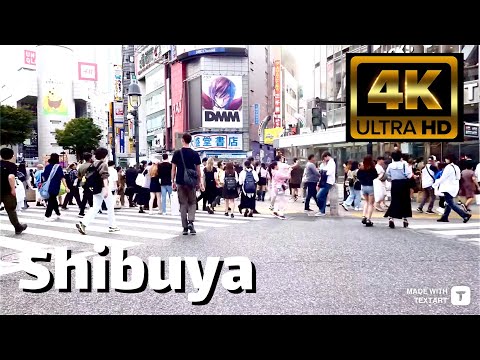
(87, 194)
(71, 179)
(96, 180)
(248, 179)
(428, 178)
(8, 170)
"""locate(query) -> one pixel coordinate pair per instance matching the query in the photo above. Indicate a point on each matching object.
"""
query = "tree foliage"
(15, 125)
(79, 135)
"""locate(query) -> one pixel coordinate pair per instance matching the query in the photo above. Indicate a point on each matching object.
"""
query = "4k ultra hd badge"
(404, 97)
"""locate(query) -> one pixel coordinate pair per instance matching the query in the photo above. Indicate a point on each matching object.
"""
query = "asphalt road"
(304, 265)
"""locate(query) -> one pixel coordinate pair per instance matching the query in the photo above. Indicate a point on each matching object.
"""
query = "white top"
(427, 176)
(112, 178)
(243, 174)
(449, 182)
(330, 168)
(398, 170)
(380, 171)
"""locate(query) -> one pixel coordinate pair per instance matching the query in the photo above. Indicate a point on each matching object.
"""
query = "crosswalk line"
(457, 232)
(177, 219)
(86, 239)
(201, 216)
(9, 268)
(217, 218)
(104, 229)
(438, 225)
(147, 223)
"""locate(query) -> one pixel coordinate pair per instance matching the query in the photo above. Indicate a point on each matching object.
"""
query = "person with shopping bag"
(55, 176)
(8, 170)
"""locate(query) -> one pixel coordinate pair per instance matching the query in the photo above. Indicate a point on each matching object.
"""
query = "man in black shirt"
(186, 194)
(7, 185)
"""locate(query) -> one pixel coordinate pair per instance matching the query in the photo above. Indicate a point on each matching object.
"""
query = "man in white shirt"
(449, 185)
(330, 169)
(428, 178)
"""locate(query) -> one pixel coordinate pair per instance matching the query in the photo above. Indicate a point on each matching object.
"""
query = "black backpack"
(230, 183)
(93, 180)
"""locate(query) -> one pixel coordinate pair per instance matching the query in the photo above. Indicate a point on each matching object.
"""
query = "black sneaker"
(364, 220)
(81, 228)
(255, 212)
(185, 231)
(246, 213)
(81, 215)
(232, 216)
(405, 223)
(192, 229)
(20, 229)
(368, 223)
(430, 212)
(226, 214)
(446, 220)
(466, 218)
(420, 210)
(391, 224)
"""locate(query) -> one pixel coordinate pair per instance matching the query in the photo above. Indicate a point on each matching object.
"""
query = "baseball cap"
(432, 157)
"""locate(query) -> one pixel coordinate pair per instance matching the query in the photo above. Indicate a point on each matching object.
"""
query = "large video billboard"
(222, 102)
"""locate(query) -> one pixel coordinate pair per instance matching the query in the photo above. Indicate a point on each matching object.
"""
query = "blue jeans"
(450, 204)
(355, 197)
(165, 189)
(322, 197)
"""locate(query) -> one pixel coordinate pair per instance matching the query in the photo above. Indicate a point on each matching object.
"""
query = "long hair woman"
(399, 173)
(230, 193)
(210, 184)
(354, 186)
(366, 175)
(155, 189)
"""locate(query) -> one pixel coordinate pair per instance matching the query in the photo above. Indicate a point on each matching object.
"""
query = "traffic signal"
(316, 117)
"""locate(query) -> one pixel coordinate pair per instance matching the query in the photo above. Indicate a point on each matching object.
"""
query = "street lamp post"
(134, 98)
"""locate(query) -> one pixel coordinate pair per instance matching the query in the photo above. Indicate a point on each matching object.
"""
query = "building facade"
(218, 93)
(59, 83)
(330, 84)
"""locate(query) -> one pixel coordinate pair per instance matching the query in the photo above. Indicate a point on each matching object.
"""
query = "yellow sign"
(404, 97)
(271, 134)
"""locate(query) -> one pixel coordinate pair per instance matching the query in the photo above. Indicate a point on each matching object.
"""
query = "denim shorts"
(367, 190)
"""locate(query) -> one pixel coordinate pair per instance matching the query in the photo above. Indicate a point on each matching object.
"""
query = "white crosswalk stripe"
(469, 232)
(133, 228)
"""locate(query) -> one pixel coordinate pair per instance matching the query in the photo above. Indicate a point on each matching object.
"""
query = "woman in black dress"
(210, 184)
(155, 189)
(230, 192)
(399, 174)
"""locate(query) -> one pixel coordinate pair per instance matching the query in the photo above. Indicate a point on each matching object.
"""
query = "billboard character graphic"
(53, 103)
(221, 95)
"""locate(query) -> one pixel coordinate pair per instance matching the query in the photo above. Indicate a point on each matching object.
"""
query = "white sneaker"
(358, 209)
(440, 210)
(150, 212)
(113, 229)
(164, 214)
(319, 214)
(50, 219)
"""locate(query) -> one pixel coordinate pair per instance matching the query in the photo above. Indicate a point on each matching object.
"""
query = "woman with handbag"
(57, 179)
(210, 181)
(355, 187)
